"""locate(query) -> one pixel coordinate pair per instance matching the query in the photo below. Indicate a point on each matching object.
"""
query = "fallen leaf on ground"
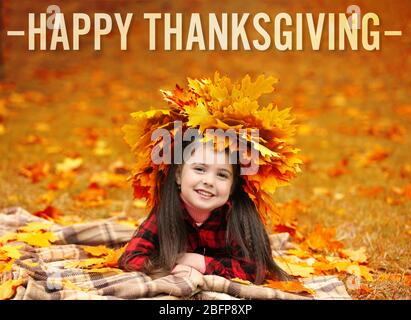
(69, 164)
(35, 172)
(49, 213)
(354, 255)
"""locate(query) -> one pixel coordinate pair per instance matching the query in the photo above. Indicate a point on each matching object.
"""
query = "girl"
(204, 223)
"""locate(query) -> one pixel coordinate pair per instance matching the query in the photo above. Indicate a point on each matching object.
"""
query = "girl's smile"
(204, 194)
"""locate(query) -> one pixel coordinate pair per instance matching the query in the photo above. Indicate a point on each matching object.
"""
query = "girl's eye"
(222, 175)
(199, 169)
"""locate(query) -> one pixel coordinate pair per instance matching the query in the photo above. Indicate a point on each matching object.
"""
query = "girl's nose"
(208, 179)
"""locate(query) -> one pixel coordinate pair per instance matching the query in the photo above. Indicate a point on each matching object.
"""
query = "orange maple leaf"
(49, 213)
(289, 286)
(35, 172)
(323, 239)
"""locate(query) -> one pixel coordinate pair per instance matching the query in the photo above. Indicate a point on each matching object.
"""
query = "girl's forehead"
(206, 154)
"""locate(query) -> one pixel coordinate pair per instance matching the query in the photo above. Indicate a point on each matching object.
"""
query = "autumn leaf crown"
(218, 104)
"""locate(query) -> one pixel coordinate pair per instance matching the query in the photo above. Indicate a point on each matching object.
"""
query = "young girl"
(206, 215)
(203, 223)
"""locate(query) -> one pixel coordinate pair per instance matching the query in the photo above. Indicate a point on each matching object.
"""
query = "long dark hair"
(244, 226)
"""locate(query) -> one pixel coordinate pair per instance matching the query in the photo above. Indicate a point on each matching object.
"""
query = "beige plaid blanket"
(44, 276)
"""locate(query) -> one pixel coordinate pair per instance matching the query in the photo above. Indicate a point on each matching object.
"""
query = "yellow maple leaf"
(103, 270)
(140, 203)
(36, 227)
(12, 251)
(31, 263)
(242, 281)
(69, 164)
(37, 238)
(129, 222)
(97, 251)
(293, 268)
(113, 257)
(199, 116)
(6, 266)
(101, 148)
(255, 89)
(8, 237)
(8, 288)
(298, 253)
(109, 179)
(355, 269)
(86, 263)
(355, 255)
(67, 284)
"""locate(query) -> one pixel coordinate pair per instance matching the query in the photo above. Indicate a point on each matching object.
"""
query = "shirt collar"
(224, 209)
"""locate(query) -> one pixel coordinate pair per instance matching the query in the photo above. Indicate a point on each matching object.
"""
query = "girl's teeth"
(205, 193)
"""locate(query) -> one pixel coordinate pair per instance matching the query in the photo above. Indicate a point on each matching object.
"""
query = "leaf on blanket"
(238, 280)
(293, 268)
(8, 288)
(8, 237)
(36, 227)
(114, 256)
(104, 270)
(6, 266)
(289, 286)
(86, 263)
(67, 284)
(10, 251)
(39, 239)
(97, 251)
(31, 263)
(299, 253)
(108, 259)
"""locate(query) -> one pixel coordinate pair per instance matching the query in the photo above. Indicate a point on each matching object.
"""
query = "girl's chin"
(204, 205)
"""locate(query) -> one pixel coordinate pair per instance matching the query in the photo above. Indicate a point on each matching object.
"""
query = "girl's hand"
(194, 260)
(181, 270)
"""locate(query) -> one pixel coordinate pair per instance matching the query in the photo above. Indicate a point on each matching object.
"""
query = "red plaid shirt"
(207, 239)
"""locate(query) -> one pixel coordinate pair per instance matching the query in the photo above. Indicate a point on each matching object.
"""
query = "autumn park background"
(62, 148)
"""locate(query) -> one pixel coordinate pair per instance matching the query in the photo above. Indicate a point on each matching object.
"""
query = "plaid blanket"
(44, 275)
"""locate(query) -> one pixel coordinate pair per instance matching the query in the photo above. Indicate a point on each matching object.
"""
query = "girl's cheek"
(225, 187)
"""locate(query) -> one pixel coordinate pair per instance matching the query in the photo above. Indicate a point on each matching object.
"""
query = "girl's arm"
(195, 260)
(231, 268)
(143, 243)
(238, 267)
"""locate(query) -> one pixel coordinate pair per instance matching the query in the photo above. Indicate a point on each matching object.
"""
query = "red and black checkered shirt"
(207, 239)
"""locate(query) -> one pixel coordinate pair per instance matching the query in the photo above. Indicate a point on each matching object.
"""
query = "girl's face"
(206, 179)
